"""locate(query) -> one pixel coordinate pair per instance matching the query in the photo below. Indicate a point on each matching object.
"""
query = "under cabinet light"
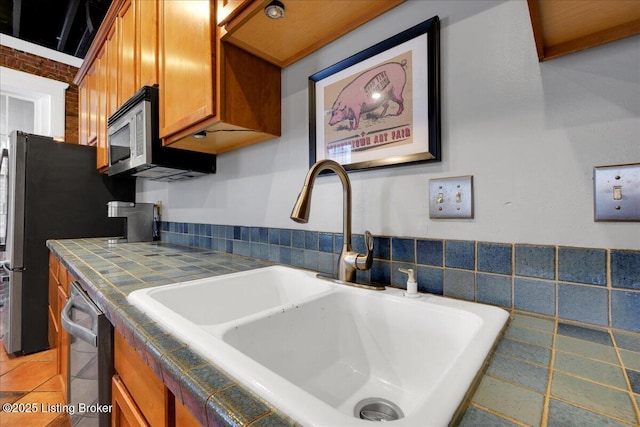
(274, 10)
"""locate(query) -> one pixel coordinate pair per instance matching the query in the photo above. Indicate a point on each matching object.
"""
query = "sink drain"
(377, 409)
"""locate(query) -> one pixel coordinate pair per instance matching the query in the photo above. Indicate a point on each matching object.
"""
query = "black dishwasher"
(90, 360)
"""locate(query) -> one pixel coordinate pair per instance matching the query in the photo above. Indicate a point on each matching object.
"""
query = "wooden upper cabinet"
(147, 53)
(138, 27)
(127, 67)
(217, 63)
(187, 57)
(561, 27)
(107, 82)
(122, 59)
(229, 9)
(102, 98)
(212, 88)
(92, 104)
(113, 66)
(83, 113)
(306, 26)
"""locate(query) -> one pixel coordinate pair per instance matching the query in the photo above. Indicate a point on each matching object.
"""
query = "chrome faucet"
(349, 260)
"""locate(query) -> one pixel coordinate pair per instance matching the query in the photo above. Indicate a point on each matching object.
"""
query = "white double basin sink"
(327, 354)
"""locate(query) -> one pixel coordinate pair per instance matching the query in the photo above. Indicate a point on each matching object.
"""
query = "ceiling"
(64, 25)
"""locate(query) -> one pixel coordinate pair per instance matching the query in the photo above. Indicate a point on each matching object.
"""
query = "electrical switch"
(612, 203)
(617, 193)
(451, 197)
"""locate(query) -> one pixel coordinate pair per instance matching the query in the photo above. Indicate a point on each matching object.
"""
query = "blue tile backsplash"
(597, 286)
(494, 258)
(625, 269)
(536, 261)
(582, 265)
(460, 254)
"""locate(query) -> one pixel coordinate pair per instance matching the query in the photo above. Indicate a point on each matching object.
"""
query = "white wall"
(530, 133)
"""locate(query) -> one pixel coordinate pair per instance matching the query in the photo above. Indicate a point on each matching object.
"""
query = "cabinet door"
(125, 411)
(227, 9)
(83, 113)
(63, 345)
(187, 39)
(144, 386)
(127, 27)
(184, 418)
(147, 53)
(54, 314)
(63, 278)
(113, 100)
(92, 105)
(54, 325)
(101, 92)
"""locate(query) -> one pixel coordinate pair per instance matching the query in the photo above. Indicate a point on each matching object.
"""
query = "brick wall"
(43, 67)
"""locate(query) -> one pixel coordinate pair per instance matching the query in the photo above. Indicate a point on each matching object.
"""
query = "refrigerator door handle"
(7, 267)
(77, 302)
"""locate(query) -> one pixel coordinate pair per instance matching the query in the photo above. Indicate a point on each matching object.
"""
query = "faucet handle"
(368, 241)
(364, 261)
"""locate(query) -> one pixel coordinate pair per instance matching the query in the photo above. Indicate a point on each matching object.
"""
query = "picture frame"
(381, 106)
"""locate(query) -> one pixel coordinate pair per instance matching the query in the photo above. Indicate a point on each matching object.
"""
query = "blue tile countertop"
(544, 372)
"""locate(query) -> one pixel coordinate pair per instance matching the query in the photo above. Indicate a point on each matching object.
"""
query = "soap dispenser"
(412, 284)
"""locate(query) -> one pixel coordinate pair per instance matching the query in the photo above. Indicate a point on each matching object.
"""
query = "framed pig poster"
(379, 107)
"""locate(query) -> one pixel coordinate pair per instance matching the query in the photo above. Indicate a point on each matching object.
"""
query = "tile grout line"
(518, 359)
(498, 414)
(634, 402)
(30, 394)
(609, 287)
(17, 366)
(547, 394)
(594, 410)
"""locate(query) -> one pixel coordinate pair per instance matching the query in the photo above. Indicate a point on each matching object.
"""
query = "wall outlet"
(451, 197)
(616, 193)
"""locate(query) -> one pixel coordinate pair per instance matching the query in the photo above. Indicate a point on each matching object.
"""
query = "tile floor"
(31, 387)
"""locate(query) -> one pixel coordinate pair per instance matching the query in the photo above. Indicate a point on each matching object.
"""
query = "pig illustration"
(369, 91)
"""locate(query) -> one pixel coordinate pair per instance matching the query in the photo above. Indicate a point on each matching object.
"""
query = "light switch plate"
(451, 197)
(617, 193)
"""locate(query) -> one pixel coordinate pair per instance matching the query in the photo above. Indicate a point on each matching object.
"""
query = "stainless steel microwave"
(136, 149)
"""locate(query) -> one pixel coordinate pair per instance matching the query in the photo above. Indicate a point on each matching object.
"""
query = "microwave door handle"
(73, 328)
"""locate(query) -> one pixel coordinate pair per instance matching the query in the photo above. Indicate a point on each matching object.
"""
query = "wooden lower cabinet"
(184, 418)
(139, 397)
(59, 280)
(63, 345)
(54, 314)
(125, 412)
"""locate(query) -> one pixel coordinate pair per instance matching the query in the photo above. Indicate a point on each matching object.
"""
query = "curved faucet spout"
(302, 208)
(349, 261)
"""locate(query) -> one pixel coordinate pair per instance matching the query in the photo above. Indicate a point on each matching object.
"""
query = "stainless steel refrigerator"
(53, 191)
